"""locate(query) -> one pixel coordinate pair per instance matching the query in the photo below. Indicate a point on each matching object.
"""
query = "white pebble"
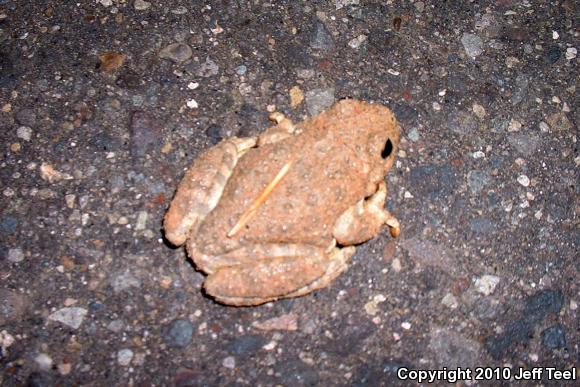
(514, 125)
(571, 53)
(124, 357)
(406, 325)
(544, 127)
(555, 35)
(229, 362)
(450, 301)
(15, 255)
(478, 155)
(24, 132)
(43, 361)
(408, 195)
(192, 85)
(486, 284)
(396, 265)
(192, 104)
(524, 180)
(436, 106)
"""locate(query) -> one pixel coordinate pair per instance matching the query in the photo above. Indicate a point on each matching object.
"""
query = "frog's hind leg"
(269, 279)
(364, 220)
(202, 186)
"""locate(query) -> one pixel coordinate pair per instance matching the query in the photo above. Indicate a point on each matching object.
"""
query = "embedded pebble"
(450, 301)
(571, 53)
(192, 104)
(524, 180)
(514, 125)
(318, 100)
(296, 96)
(343, 3)
(486, 284)
(43, 361)
(478, 110)
(141, 220)
(141, 5)
(179, 333)
(125, 281)
(177, 52)
(321, 40)
(229, 362)
(413, 135)
(472, 44)
(15, 255)
(124, 357)
(72, 317)
(241, 70)
(356, 42)
(24, 132)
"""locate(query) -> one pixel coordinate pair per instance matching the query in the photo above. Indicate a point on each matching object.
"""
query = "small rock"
(554, 337)
(207, 69)
(111, 61)
(48, 173)
(571, 53)
(229, 362)
(43, 361)
(246, 345)
(343, 3)
(477, 180)
(145, 133)
(450, 301)
(141, 5)
(15, 255)
(64, 368)
(141, 220)
(12, 306)
(553, 54)
(296, 96)
(321, 40)
(486, 284)
(413, 135)
(396, 265)
(524, 180)
(179, 333)
(72, 317)
(125, 281)
(192, 104)
(318, 100)
(372, 307)
(241, 69)
(106, 3)
(559, 122)
(356, 42)
(115, 326)
(526, 144)
(286, 322)
(24, 132)
(472, 44)
(26, 117)
(514, 125)
(478, 110)
(453, 350)
(177, 52)
(124, 357)
(179, 10)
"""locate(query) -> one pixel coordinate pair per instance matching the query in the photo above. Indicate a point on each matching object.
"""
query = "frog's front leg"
(247, 281)
(364, 220)
(202, 186)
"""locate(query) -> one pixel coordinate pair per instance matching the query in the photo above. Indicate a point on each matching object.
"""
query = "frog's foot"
(284, 128)
(269, 279)
(364, 220)
(202, 186)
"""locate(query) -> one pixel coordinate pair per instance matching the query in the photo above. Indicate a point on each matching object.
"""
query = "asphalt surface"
(103, 104)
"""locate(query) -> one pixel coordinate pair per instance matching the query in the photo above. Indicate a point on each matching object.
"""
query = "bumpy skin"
(334, 191)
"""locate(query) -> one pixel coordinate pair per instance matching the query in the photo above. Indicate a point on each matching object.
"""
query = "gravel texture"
(103, 104)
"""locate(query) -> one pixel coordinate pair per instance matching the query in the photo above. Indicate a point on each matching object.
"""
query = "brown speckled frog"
(276, 216)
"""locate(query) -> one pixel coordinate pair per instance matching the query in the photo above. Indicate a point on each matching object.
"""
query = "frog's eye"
(387, 150)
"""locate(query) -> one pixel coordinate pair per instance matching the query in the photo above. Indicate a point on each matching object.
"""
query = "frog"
(279, 215)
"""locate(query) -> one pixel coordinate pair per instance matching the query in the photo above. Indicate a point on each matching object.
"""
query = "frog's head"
(373, 131)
